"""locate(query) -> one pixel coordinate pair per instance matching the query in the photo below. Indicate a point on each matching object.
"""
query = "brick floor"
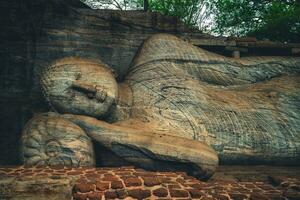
(131, 183)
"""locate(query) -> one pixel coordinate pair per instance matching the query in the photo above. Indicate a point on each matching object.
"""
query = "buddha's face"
(80, 86)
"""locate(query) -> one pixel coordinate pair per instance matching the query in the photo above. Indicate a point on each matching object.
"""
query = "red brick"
(126, 173)
(90, 170)
(99, 171)
(250, 185)
(102, 185)
(93, 177)
(165, 180)
(42, 174)
(145, 174)
(122, 194)
(222, 197)
(95, 195)
(197, 186)
(161, 192)
(84, 187)
(117, 185)
(110, 195)
(72, 173)
(139, 193)
(82, 181)
(256, 196)
(238, 196)
(132, 182)
(151, 181)
(178, 193)
(60, 170)
(58, 174)
(110, 177)
(195, 193)
(91, 174)
(77, 196)
(127, 176)
(174, 186)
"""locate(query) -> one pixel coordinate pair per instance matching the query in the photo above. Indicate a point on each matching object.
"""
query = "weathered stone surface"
(184, 97)
(164, 152)
(230, 104)
(35, 33)
(246, 109)
(55, 141)
(71, 88)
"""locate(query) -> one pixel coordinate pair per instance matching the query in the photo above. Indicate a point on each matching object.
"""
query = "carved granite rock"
(247, 109)
(36, 33)
(178, 101)
(150, 150)
(79, 86)
(52, 140)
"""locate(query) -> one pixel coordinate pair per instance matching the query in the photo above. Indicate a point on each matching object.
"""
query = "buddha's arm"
(151, 150)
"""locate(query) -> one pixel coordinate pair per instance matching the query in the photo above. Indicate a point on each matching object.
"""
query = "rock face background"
(34, 33)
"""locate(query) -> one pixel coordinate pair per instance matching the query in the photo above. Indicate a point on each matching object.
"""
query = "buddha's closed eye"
(92, 91)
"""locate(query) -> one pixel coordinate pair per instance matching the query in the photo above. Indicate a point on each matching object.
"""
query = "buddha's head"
(80, 86)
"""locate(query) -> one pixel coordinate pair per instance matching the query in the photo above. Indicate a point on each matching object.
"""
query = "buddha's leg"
(246, 109)
(151, 151)
(186, 59)
(52, 140)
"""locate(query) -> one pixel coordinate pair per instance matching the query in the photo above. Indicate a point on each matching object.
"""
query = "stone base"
(230, 182)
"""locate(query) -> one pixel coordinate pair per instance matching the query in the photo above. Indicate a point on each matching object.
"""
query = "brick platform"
(131, 183)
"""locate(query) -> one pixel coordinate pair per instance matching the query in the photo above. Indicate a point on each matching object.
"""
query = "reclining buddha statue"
(179, 108)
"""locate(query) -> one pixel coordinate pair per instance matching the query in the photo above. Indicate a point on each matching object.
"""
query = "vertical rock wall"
(34, 33)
